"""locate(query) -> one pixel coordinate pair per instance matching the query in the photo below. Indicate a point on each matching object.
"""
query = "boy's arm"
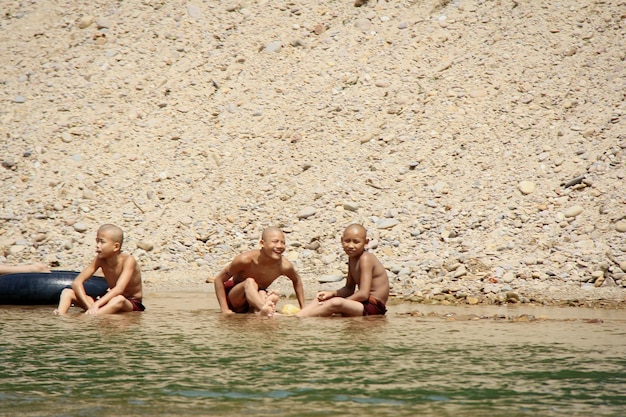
(220, 291)
(238, 264)
(343, 292)
(298, 287)
(348, 289)
(128, 269)
(78, 285)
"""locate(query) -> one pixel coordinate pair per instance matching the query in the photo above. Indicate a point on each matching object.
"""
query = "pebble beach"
(482, 144)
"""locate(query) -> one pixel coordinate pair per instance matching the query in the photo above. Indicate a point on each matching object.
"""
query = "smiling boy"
(121, 273)
(364, 271)
(241, 287)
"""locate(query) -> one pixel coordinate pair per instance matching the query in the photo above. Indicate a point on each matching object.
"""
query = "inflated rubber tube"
(44, 288)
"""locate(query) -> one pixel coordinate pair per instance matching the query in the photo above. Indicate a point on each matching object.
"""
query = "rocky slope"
(482, 143)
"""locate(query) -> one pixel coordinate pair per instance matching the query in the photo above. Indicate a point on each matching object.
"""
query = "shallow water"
(181, 357)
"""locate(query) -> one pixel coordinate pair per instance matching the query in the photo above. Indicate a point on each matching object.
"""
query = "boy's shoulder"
(125, 257)
(286, 264)
(248, 256)
(367, 257)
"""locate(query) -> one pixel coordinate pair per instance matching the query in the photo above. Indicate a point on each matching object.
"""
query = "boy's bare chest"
(263, 274)
(111, 272)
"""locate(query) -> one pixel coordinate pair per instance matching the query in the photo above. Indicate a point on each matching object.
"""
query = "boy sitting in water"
(121, 273)
(364, 271)
(241, 287)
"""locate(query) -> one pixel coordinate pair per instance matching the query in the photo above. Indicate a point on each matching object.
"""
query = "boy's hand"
(324, 295)
(92, 310)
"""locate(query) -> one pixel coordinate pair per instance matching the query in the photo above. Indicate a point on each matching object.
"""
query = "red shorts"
(136, 302)
(374, 307)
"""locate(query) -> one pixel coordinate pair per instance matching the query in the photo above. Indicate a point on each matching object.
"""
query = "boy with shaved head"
(241, 287)
(121, 273)
(364, 271)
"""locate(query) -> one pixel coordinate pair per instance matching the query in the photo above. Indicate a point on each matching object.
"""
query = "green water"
(181, 357)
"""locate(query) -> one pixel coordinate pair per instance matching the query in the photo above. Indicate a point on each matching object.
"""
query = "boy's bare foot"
(268, 310)
(273, 297)
(269, 307)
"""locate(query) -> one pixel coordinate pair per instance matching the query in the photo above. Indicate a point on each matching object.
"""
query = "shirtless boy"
(121, 273)
(241, 287)
(364, 271)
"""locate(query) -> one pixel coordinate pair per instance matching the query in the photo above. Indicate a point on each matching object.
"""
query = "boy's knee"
(335, 303)
(250, 282)
(118, 299)
(67, 292)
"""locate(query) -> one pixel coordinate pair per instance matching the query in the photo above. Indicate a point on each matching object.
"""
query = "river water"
(180, 357)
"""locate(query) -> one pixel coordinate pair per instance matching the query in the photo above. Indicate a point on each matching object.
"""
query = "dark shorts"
(228, 285)
(374, 307)
(136, 302)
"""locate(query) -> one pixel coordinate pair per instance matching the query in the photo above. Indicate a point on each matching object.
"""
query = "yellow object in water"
(289, 309)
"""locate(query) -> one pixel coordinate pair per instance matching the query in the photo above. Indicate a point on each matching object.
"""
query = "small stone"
(89, 194)
(620, 226)
(85, 21)
(441, 187)
(306, 212)
(16, 249)
(508, 277)
(273, 47)
(599, 281)
(330, 278)
(589, 132)
(387, 223)
(364, 25)
(526, 187)
(8, 163)
(478, 93)
(66, 137)
(103, 23)
(573, 211)
(471, 300)
(460, 271)
(292, 255)
(350, 206)
(80, 227)
(511, 296)
(193, 11)
(147, 246)
(19, 99)
(315, 245)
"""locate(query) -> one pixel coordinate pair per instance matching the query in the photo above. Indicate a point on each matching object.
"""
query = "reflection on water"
(181, 357)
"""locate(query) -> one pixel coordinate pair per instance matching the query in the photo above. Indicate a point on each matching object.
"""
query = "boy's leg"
(237, 298)
(65, 301)
(247, 295)
(336, 305)
(260, 301)
(118, 304)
